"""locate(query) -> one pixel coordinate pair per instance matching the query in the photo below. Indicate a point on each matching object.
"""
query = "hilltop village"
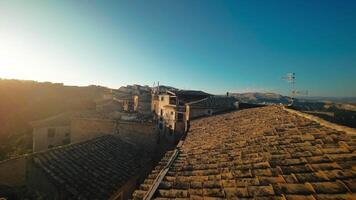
(165, 143)
(112, 147)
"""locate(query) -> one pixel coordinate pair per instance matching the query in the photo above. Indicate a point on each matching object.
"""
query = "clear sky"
(216, 46)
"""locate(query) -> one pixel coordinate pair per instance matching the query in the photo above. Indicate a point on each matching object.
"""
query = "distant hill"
(25, 101)
(261, 98)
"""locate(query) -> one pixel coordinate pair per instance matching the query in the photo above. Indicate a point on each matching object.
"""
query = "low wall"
(323, 122)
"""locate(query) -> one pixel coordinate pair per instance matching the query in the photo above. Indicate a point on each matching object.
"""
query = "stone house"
(51, 132)
(128, 103)
(142, 104)
(75, 127)
(175, 108)
(209, 106)
(169, 110)
(141, 132)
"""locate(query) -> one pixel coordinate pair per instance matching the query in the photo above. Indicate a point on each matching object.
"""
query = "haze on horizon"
(216, 46)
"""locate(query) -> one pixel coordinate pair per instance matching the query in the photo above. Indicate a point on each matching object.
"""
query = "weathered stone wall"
(154, 105)
(13, 172)
(83, 129)
(169, 116)
(41, 141)
(197, 112)
(143, 134)
(163, 100)
(144, 107)
(200, 112)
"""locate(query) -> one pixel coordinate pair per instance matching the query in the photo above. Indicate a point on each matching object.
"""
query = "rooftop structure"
(259, 153)
(185, 96)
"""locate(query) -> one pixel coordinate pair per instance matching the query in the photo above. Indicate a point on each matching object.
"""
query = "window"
(173, 100)
(172, 113)
(162, 98)
(51, 132)
(161, 112)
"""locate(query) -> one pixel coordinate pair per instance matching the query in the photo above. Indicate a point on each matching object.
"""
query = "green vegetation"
(24, 101)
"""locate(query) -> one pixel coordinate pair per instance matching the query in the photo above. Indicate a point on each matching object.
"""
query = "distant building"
(52, 131)
(169, 108)
(128, 102)
(175, 108)
(142, 104)
(135, 99)
(209, 106)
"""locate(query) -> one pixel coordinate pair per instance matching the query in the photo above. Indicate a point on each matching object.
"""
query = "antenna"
(290, 78)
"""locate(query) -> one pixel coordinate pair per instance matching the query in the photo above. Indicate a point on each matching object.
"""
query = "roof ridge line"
(161, 175)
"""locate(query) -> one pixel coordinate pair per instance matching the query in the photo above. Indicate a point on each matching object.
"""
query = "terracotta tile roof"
(260, 153)
(91, 170)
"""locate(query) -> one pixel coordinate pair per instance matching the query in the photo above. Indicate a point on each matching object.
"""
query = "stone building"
(142, 104)
(258, 153)
(174, 109)
(74, 127)
(52, 131)
(169, 110)
(102, 168)
(142, 132)
(128, 103)
(135, 98)
(209, 106)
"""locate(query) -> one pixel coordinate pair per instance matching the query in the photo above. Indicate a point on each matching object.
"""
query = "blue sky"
(216, 46)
